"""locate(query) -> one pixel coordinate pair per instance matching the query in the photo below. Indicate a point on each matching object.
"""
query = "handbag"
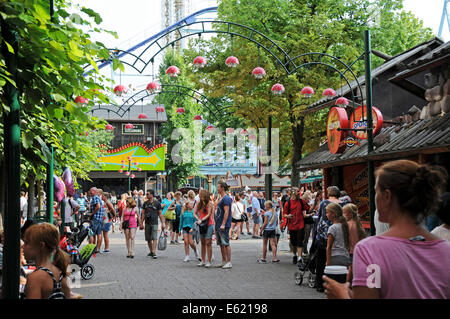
(126, 223)
(162, 241)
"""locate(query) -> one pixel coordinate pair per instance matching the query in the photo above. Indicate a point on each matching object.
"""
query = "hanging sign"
(337, 119)
(350, 141)
(138, 129)
(356, 121)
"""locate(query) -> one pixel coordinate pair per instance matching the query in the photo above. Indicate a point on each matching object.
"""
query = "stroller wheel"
(311, 280)
(298, 278)
(87, 271)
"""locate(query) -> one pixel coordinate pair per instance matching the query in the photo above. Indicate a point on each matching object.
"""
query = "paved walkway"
(169, 277)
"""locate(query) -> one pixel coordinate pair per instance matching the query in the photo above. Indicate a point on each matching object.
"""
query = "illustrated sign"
(350, 141)
(356, 121)
(337, 119)
(148, 159)
(138, 129)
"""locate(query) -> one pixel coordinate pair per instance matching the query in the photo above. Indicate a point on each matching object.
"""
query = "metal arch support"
(167, 88)
(347, 68)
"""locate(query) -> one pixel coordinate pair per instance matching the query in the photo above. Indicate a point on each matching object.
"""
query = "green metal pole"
(129, 176)
(11, 248)
(50, 189)
(369, 101)
(269, 153)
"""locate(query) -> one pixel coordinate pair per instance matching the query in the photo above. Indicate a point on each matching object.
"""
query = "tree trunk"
(297, 144)
(31, 196)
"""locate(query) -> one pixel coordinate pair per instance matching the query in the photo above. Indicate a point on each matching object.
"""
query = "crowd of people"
(325, 227)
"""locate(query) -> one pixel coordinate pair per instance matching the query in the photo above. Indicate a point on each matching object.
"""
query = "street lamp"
(129, 171)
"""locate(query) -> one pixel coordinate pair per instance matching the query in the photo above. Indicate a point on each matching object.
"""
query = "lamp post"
(129, 171)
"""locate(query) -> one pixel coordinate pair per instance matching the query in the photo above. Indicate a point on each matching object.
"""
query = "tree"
(334, 27)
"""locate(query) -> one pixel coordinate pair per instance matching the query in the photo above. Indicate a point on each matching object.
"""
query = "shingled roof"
(394, 141)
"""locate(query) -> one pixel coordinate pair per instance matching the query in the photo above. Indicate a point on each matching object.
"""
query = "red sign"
(337, 119)
(356, 121)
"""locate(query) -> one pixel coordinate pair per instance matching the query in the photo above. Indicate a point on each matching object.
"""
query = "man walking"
(151, 210)
(96, 217)
(223, 225)
(256, 214)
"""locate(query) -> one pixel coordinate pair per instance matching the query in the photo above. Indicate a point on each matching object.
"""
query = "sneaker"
(186, 259)
(150, 254)
(294, 260)
(154, 256)
(262, 261)
(172, 242)
(227, 266)
(275, 261)
(201, 264)
(106, 251)
(208, 264)
(220, 265)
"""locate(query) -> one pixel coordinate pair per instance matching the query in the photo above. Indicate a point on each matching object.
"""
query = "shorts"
(223, 237)
(256, 219)
(269, 233)
(176, 225)
(209, 233)
(151, 232)
(296, 237)
(106, 227)
(96, 227)
(186, 230)
(236, 220)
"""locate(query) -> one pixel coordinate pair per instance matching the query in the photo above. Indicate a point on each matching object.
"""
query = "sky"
(138, 19)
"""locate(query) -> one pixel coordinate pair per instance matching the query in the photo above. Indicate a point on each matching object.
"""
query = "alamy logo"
(74, 279)
(374, 279)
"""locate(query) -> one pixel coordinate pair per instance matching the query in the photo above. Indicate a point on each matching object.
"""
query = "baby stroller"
(307, 269)
(71, 242)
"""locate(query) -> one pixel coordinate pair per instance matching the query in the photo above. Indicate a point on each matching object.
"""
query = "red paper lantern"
(200, 62)
(342, 101)
(127, 173)
(109, 127)
(81, 100)
(136, 164)
(210, 128)
(139, 169)
(329, 92)
(120, 89)
(152, 87)
(258, 72)
(132, 176)
(307, 91)
(197, 118)
(142, 116)
(278, 89)
(159, 109)
(172, 71)
(129, 158)
(129, 126)
(243, 132)
(180, 110)
(232, 62)
(120, 170)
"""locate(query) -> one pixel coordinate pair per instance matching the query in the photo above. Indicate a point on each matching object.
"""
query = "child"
(338, 244)
(49, 280)
(356, 232)
(187, 221)
(268, 231)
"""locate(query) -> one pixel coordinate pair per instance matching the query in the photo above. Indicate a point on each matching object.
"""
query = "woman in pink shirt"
(407, 261)
(130, 215)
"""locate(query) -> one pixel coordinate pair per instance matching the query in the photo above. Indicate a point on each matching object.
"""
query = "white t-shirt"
(236, 210)
(23, 202)
(442, 232)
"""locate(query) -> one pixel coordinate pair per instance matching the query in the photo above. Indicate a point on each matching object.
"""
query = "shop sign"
(337, 119)
(138, 129)
(356, 121)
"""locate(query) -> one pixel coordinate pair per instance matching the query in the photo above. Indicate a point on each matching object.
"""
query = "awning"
(310, 179)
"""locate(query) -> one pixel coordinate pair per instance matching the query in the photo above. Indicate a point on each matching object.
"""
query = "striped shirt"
(99, 214)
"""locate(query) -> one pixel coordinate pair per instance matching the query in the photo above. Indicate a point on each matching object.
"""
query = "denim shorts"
(223, 237)
(209, 232)
(151, 232)
(186, 230)
(106, 227)
(96, 227)
(256, 219)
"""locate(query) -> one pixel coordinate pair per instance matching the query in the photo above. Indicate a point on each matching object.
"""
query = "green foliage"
(51, 56)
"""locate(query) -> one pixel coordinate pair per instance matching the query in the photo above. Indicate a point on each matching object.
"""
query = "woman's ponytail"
(61, 260)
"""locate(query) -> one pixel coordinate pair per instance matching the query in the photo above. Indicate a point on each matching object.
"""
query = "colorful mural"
(148, 159)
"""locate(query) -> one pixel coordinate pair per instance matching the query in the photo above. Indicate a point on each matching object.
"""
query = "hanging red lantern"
(129, 126)
(243, 132)
(197, 118)
(180, 110)
(307, 91)
(210, 128)
(229, 130)
(120, 170)
(173, 71)
(123, 161)
(258, 73)
(81, 100)
(200, 62)
(120, 89)
(132, 176)
(109, 127)
(329, 93)
(232, 62)
(342, 102)
(127, 173)
(278, 89)
(139, 169)
(142, 116)
(152, 87)
(159, 109)
(129, 158)
(136, 164)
